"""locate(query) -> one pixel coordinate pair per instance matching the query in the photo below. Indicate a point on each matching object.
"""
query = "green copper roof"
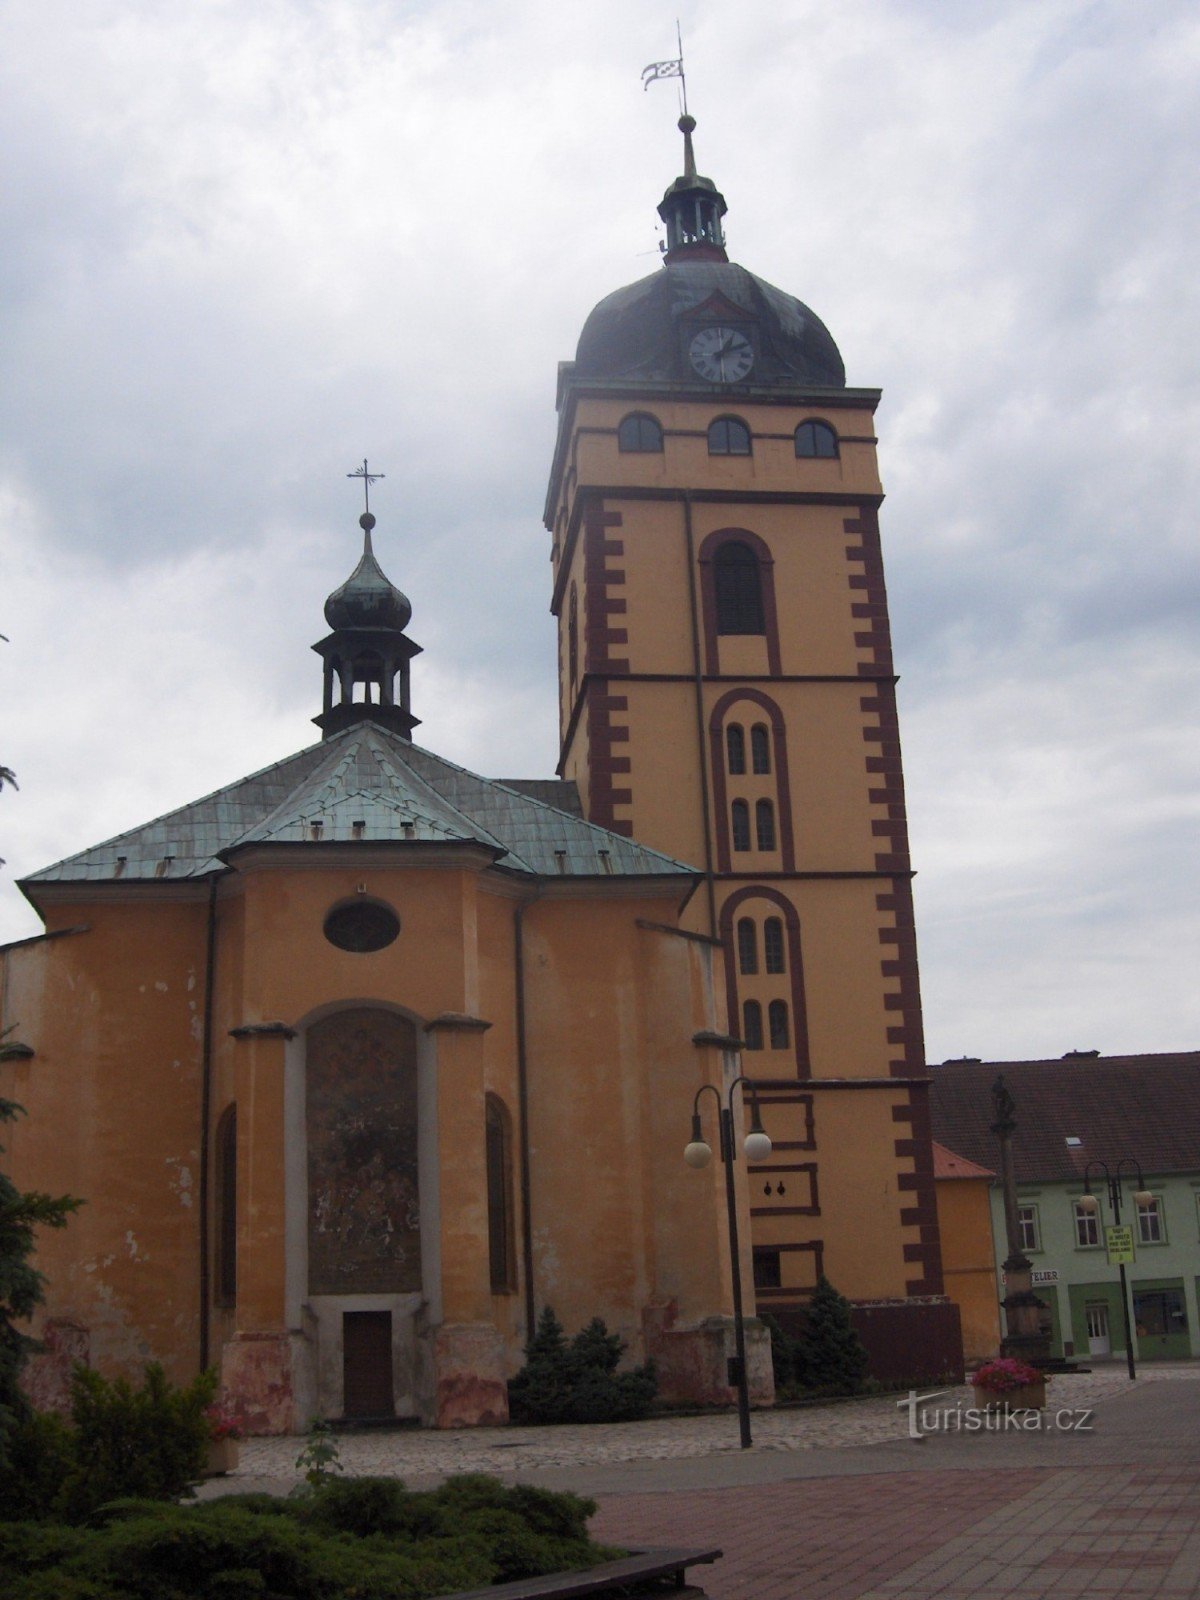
(364, 785)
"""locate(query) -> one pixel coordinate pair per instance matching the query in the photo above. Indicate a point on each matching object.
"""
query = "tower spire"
(368, 653)
(692, 209)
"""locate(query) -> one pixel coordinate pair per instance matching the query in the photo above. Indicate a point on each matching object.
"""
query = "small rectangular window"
(1150, 1222)
(1027, 1224)
(768, 1273)
(1087, 1228)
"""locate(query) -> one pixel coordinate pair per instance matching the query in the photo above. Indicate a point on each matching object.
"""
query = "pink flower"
(1005, 1374)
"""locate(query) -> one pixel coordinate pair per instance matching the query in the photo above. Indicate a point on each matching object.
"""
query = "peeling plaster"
(161, 986)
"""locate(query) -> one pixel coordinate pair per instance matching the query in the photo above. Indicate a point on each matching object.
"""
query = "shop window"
(1159, 1313)
(747, 941)
(735, 748)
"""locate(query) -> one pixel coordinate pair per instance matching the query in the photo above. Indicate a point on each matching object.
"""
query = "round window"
(362, 926)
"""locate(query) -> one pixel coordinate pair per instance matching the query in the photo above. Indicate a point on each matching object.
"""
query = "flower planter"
(1028, 1397)
(222, 1457)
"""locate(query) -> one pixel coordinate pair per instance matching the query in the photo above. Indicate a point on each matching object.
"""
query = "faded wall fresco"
(363, 1214)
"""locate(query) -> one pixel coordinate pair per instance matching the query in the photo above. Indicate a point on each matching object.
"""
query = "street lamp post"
(1089, 1204)
(698, 1154)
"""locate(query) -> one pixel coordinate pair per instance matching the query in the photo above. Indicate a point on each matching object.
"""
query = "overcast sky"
(248, 242)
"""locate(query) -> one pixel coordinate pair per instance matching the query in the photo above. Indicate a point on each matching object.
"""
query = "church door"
(367, 1365)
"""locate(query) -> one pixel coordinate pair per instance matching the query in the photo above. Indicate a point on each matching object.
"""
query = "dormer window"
(816, 439)
(728, 436)
(640, 434)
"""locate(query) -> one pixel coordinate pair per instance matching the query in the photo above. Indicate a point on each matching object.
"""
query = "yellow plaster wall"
(859, 1196)
(968, 1260)
(113, 1096)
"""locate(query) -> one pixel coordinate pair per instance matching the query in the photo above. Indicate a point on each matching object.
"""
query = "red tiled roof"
(1146, 1108)
(947, 1165)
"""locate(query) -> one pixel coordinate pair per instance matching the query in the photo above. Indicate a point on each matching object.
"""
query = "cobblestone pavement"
(834, 1502)
(425, 1454)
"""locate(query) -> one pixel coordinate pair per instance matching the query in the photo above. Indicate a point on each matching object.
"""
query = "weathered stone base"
(470, 1388)
(693, 1360)
(46, 1379)
(257, 1377)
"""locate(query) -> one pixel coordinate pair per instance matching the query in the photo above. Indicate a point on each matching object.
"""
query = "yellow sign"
(1120, 1246)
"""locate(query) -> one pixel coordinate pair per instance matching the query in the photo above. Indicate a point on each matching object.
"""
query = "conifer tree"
(20, 1281)
(830, 1353)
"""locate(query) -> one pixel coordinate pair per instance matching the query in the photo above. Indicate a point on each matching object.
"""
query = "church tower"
(727, 696)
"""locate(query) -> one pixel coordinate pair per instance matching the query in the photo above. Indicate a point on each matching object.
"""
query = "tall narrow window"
(739, 589)
(764, 824)
(499, 1196)
(773, 944)
(226, 1187)
(735, 748)
(728, 436)
(1087, 1228)
(760, 748)
(739, 817)
(640, 433)
(752, 1029)
(816, 439)
(747, 939)
(777, 1021)
(1150, 1222)
(1027, 1226)
(573, 641)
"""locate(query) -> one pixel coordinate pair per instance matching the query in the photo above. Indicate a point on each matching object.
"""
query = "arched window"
(226, 1198)
(739, 819)
(816, 439)
(501, 1251)
(773, 944)
(764, 824)
(573, 641)
(735, 747)
(747, 938)
(739, 589)
(640, 433)
(728, 436)
(777, 1022)
(752, 1032)
(760, 748)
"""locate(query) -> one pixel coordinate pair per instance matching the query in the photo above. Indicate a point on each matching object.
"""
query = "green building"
(1082, 1121)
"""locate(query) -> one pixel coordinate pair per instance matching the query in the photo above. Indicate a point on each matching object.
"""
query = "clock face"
(722, 355)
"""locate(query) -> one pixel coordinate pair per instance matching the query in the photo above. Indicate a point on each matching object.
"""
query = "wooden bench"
(610, 1578)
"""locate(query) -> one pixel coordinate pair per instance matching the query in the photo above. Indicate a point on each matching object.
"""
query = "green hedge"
(352, 1539)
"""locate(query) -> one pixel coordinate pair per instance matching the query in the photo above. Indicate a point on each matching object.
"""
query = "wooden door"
(367, 1365)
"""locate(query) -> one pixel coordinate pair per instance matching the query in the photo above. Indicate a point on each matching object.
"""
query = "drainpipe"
(210, 957)
(523, 1117)
(701, 751)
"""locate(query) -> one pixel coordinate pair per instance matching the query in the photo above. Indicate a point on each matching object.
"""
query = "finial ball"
(687, 124)
(366, 521)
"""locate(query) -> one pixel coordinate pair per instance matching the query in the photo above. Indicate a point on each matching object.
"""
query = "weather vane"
(668, 69)
(368, 479)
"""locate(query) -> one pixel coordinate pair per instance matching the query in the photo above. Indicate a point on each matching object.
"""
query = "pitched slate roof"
(364, 784)
(1143, 1107)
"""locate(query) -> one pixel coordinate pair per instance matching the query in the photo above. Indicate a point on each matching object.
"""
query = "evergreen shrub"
(827, 1358)
(578, 1380)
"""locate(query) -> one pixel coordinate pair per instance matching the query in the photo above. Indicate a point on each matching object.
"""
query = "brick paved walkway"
(1119, 1518)
(835, 1503)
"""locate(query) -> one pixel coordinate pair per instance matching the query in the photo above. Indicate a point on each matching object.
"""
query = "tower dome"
(368, 599)
(634, 333)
